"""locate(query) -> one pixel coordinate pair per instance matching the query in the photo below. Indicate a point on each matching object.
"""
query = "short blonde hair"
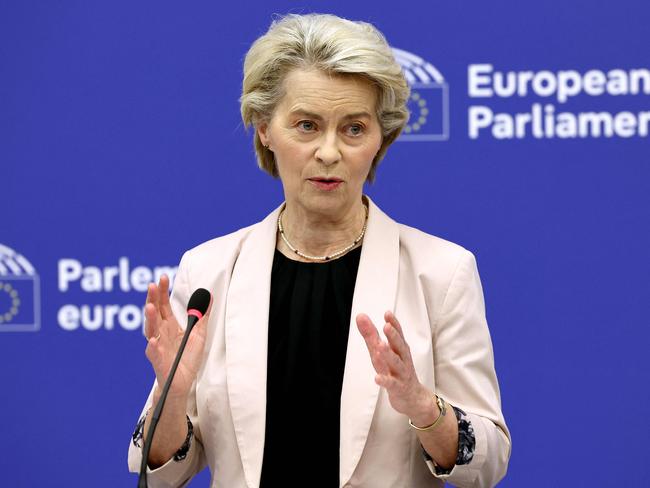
(335, 46)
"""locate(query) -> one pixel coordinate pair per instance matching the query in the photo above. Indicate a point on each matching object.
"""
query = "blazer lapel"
(247, 318)
(374, 293)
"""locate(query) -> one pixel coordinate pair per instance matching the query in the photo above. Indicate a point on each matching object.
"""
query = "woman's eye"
(355, 129)
(306, 125)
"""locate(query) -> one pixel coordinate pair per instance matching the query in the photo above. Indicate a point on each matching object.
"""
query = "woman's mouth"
(326, 184)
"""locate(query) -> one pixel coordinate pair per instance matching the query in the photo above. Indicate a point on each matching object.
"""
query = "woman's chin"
(327, 203)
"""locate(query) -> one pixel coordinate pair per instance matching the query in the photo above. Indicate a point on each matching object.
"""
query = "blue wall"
(110, 111)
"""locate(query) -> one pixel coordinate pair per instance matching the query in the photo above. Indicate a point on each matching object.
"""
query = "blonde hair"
(333, 45)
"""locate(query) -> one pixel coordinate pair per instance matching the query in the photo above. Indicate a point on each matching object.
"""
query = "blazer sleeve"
(174, 474)
(465, 376)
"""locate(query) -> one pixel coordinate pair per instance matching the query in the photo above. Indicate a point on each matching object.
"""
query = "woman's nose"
(328, 149)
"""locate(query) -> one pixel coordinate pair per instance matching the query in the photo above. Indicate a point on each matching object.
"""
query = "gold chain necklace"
(321, 258)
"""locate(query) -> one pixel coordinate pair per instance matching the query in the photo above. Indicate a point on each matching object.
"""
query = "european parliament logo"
(429, 102)
(19, 293)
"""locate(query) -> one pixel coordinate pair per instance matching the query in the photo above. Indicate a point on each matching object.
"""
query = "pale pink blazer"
(433, 287)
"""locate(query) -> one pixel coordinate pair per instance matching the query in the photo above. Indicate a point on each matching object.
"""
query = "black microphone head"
(200, 300)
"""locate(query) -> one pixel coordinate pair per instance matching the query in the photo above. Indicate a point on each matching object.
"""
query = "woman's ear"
(262, 131)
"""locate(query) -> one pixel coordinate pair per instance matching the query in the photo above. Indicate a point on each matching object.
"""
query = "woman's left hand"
(395, 370)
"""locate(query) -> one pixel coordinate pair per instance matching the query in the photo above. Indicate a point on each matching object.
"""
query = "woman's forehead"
(313, 92)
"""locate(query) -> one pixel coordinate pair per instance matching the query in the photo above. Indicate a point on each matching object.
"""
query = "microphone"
(196, 308)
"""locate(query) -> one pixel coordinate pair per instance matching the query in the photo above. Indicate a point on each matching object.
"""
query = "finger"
(153, 352)
(397, 342)
(153, 298)
(163, 297)
(378, 359)
(151, 322)
(162, 324)
(151, 292)
(373, 342)
(389, 316)
(403, 348)
(394, 362)
(368, 331)
(385, 381)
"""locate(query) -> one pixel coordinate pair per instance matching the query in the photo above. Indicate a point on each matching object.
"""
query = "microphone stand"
(155, 417)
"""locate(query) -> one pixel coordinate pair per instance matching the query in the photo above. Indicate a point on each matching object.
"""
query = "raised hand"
(394, 367)
(164, 336)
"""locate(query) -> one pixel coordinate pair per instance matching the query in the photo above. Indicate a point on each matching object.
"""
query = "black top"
(309, 321)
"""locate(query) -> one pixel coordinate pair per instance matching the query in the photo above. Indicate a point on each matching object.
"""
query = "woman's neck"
(319, 234)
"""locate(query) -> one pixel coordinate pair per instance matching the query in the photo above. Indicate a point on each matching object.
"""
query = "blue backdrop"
(115, 115)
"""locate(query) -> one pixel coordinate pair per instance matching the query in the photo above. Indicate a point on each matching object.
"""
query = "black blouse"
(309, 321)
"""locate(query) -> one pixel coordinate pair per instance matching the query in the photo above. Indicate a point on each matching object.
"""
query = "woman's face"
(324, 134)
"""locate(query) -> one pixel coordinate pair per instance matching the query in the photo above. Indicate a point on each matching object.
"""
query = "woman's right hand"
(164, 336)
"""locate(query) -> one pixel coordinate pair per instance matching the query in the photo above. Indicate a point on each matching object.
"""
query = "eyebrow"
(311, 115)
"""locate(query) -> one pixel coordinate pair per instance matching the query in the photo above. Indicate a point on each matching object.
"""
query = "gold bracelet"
(443, 410)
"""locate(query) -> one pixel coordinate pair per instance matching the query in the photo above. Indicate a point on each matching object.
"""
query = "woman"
(274, 388)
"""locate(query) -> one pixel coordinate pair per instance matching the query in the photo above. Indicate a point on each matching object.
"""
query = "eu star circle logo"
(9, 302)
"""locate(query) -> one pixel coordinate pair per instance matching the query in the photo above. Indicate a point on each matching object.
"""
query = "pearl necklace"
(321, 258)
